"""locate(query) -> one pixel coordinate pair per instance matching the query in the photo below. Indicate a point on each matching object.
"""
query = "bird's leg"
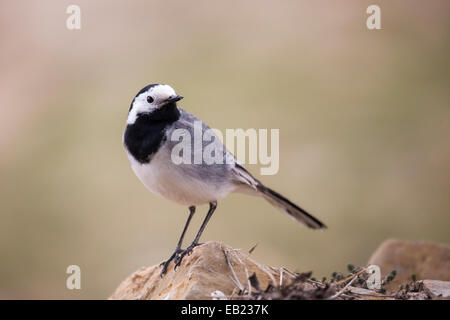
(212, 208)
(178, 250)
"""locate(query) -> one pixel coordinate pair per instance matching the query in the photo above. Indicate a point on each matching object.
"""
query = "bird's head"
(152, 99)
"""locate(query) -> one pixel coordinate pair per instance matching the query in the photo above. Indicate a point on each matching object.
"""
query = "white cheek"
(131, 117)
(139, 107)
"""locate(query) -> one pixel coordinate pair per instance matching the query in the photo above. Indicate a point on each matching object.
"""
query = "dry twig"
(343, 289)
(234, 278)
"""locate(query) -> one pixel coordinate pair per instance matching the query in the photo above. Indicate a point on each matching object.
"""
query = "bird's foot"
(187, 251)
(166, 263)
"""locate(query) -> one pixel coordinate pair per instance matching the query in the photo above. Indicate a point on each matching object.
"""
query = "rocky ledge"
(216, 271)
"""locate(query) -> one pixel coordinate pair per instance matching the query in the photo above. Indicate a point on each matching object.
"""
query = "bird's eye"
(150, 99)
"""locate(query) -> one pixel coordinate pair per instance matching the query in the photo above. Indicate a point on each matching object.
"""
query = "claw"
(178, 259)
(165, 264)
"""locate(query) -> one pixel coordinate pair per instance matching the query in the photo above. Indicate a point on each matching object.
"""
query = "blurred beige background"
(364, 120)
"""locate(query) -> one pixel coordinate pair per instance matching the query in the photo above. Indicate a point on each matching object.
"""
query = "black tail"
(289, 207)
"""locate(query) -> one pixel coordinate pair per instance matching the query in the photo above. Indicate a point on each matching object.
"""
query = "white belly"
(163, 177)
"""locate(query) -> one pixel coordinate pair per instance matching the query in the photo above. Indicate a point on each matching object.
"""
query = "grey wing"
(208, 159)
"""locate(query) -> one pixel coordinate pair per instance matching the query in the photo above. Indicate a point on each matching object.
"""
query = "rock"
(425, 260)
(437, 289)
(217, 271)
(212, 271)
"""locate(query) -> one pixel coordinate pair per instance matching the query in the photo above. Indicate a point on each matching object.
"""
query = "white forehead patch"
(159, 93)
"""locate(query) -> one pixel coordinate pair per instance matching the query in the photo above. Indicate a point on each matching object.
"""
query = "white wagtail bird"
(152, 118)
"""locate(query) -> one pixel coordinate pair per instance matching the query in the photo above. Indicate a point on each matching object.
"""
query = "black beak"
(174, 99)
